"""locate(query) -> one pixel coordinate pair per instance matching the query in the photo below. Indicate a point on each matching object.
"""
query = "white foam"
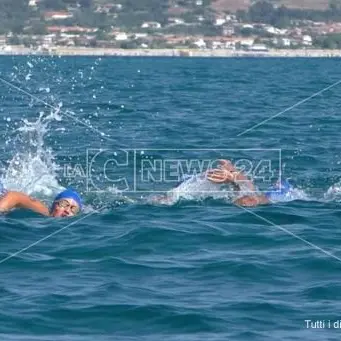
(333, 193)
(193, 188)
(32, 168)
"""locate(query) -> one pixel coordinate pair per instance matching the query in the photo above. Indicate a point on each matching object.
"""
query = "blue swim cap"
(69, 194)
(278, 191)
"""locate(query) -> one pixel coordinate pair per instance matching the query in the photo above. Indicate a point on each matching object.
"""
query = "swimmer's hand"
(17, 199)
(225, 173)
(228, 173)
(220, 176)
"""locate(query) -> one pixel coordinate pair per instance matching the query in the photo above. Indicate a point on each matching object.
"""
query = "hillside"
(306, 4)
(193, 17)
(180, 6)
(233, 5)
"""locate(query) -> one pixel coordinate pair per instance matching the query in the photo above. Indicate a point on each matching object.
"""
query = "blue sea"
(160, 252)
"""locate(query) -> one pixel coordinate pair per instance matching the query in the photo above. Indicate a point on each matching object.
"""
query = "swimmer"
(227, 173)
(66, 204)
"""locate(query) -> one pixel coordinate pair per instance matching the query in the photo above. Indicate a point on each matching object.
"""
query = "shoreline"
(88, 51)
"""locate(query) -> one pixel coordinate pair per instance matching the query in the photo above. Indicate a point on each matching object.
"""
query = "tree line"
(268, 13)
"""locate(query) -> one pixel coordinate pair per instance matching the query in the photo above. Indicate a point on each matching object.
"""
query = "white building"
(217, 45)
(246, 42)
(228, 31)
(140, 35)
(307, 40)
(258, 47)
(286, 42)
(48, 39)
(121, 36)
(230, 17)
(176, 21)
(200, 44)
(58, 15)
(274, 30)
(151, 24)
(219, 22)
(230, 45)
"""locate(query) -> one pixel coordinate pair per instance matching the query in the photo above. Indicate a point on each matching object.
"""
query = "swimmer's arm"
(16, 199)
(227, 173)
(239, 178)
(251, 201)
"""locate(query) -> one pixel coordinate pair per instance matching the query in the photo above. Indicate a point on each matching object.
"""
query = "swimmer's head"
(66, 204)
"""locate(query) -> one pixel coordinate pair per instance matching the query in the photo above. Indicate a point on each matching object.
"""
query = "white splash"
(193, 188)
(333, 193)
(198, 188)
(32, 168)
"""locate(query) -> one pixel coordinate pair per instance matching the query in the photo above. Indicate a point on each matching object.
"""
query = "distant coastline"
(88, 51)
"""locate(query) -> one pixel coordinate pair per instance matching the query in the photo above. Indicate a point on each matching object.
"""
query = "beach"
(221, 53)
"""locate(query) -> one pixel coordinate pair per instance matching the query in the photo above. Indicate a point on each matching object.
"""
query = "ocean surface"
(160, 253)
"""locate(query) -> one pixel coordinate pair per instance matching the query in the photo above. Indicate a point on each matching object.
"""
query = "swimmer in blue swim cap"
(66, 204)
(227, 173)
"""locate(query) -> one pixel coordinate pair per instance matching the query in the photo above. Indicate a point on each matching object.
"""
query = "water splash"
(294, 194)
(199, 188)
(334, 193)
(33, 169)
(33, 166)
(193, 188)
